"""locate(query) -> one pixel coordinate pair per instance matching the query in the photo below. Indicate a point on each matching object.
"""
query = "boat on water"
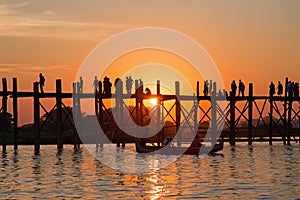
(173, 150)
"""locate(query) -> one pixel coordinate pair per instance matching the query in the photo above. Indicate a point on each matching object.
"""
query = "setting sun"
(153, 101)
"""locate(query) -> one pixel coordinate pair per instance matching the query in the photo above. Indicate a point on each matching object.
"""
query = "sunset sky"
(256, 41)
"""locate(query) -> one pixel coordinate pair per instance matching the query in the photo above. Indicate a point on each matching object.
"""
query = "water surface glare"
(260, 172)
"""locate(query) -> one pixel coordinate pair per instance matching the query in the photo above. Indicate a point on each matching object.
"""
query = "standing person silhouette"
(272, 89)
(80, 85)
(279, 89)
(107, 86)
(233, 87)
(141, 82)
(42, 82)
(129, 83)
(205, 89)
(95, 84)
(241, 88)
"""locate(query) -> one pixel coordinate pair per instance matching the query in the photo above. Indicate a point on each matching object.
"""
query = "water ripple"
(243, 172)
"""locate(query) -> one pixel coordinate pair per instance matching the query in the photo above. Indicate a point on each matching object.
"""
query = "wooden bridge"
(243, 117)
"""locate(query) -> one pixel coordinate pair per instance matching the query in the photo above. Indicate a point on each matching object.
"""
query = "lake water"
(260, 172)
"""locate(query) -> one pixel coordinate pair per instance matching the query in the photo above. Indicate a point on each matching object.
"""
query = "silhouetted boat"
(172, 150)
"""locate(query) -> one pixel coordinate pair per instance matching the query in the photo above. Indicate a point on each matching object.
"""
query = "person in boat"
(167, 141)
(142, 141)
(196, 142)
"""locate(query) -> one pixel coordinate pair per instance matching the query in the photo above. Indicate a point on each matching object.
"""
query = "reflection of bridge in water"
(240, 119)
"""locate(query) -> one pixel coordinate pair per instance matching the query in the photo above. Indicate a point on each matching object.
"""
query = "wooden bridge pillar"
(98, 109)
(36, 108)
(289, 124)
(213, 113)
(195, 119)
(178, 111)
(74, 107)
(15, 112)
(59, 119)
(250, 114)
(119, 108)
(285, 110)
(4, 113)
(271, 118)
(232, 119)
(158, 112)
(137, 101)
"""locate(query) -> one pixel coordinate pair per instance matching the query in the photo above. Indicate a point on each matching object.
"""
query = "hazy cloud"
(14, 21)
(28, 68)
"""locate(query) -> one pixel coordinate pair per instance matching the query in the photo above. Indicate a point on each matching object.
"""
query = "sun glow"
(153, 101)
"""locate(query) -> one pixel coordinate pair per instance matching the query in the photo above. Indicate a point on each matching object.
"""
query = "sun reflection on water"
(158, 188)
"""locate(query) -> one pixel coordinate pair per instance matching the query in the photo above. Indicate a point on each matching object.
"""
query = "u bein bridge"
(241, 119)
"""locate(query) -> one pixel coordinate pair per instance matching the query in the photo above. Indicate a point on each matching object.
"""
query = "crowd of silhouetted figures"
(237, 89)
(291, 88)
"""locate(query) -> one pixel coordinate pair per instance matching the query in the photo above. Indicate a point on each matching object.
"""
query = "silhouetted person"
(196, 142)
(210, 86)
(80, 85)
(205, 89)
(290, 88)
(241, 88)
(279, 89)
(141, 83)
(272, 89)
(233, 87)
(140, 89)
(117, 81)
(148, 91)
(296, 89)
(95, 84)
(129, 83)
(42, 82)
(166, 141)
(220, 93)
(225, 93)
(107, 86)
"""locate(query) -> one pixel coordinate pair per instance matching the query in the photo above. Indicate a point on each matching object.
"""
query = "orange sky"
(257, 41)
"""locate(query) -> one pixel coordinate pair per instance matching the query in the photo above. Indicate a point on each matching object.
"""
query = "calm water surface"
(260, 172)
